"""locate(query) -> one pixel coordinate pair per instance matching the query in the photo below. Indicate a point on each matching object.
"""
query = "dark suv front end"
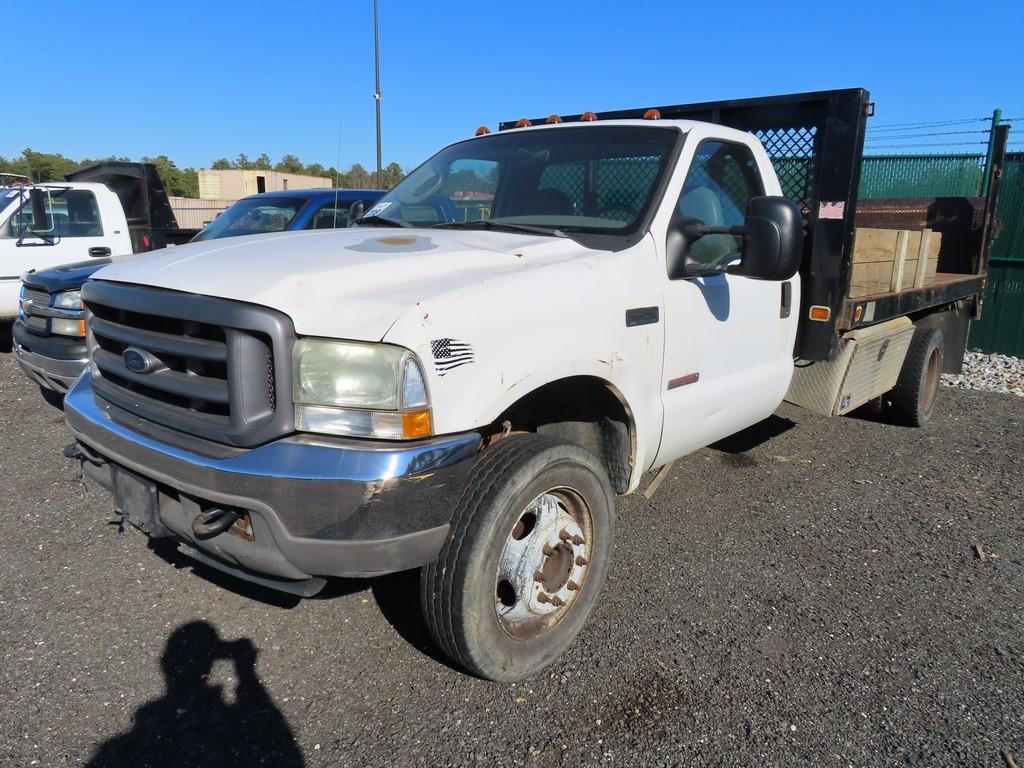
(49, 334)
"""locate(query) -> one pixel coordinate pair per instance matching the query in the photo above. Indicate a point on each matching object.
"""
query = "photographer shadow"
(193, 724)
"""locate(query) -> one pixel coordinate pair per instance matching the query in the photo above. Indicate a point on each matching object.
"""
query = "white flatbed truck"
(469, 397)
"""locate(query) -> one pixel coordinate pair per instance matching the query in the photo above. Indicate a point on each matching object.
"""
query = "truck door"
(74, 231)
(728, 339)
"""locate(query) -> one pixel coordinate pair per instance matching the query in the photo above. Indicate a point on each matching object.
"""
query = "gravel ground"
(805, 594)
(986, 372)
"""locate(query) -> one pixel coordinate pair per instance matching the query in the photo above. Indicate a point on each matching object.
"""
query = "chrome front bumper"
(318, 506)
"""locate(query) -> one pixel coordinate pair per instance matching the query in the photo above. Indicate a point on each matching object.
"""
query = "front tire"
(528, 551)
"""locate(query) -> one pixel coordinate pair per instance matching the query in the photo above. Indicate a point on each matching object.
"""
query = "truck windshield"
(252, 216)
(574, 179)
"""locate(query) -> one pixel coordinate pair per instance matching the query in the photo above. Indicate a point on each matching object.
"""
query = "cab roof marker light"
(523, 123)
(652, 114)
(553, 119)
(483, 130)
(587, 117)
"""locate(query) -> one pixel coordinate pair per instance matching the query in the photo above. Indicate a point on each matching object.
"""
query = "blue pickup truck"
(53, 354)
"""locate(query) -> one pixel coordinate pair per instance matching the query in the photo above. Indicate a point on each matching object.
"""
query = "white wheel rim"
(544, 562)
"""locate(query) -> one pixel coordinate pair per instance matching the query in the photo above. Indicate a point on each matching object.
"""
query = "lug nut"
(564, 535)
(543, 597)
(557, 601)
(538, 575)
(572, 585)
(581, 560)
(549, 550)
(577, 540)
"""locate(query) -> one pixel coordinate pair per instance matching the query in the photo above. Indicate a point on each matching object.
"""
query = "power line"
(930, 123)
(926, 144)
(900, 137)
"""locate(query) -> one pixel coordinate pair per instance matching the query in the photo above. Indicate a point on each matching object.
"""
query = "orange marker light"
(523, 123)
(416, 424)
(586, 117)
(553, 119)
(820, 313)
(483, 130)
(81, 328)
(652, 114)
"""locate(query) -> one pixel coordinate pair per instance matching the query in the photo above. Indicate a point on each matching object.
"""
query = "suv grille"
(34, 297)
(199, 365)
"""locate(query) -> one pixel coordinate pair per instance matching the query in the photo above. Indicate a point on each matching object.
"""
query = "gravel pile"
(989, 373)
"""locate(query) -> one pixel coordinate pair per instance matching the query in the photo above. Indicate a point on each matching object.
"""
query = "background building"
(235, 184)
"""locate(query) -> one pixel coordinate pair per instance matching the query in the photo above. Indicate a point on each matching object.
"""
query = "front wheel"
(529, 548)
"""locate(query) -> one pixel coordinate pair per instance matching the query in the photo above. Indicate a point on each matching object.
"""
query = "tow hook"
(213, 522)
(78, 451)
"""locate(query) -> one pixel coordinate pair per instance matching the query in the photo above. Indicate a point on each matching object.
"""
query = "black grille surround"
(220, 369)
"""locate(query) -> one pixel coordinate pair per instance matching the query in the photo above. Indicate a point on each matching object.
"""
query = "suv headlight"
(68, 300)
(359, 389)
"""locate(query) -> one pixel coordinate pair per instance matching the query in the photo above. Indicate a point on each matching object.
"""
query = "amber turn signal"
(416, 423)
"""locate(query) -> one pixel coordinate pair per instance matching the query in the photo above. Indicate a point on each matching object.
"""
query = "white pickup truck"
(469, 397)
(105, 210)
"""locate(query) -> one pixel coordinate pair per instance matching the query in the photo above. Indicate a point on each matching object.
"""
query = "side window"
(722, 179)
(73, 213)
(330, 216)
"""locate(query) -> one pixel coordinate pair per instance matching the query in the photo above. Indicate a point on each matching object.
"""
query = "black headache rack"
(140, 189)
(816, 142)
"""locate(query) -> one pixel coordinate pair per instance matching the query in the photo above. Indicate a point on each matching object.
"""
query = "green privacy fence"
(921, 175)
(1001, 328)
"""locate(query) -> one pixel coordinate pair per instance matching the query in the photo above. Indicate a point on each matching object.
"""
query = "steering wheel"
(632, 213)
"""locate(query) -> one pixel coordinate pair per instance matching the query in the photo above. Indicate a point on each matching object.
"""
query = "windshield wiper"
(382, 221)
(508, 227)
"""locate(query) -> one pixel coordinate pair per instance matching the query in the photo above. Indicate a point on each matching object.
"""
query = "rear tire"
(912, 400)
(504, 600)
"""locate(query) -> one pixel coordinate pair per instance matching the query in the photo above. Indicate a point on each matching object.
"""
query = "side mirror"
(356, 211)
(774, 241)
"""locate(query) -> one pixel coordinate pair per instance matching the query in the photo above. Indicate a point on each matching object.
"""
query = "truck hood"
(352, 283)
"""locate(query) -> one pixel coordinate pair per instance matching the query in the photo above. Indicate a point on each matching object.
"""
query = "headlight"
(65, 327)
(358, 389)
(68, 300)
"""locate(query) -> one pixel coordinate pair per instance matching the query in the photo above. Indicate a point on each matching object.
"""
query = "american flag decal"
(449, 354)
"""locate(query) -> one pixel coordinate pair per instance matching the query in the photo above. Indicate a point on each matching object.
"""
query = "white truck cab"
(467, 392)
(83, 220)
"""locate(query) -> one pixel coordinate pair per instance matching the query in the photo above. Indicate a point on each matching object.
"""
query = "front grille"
(200, 365)
(30, 299)
(36, 296)
(35, 323)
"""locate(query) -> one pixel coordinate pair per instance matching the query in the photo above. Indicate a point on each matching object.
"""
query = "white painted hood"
(352, 283)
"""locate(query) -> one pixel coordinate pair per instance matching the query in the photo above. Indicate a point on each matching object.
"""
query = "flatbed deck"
(938, 289)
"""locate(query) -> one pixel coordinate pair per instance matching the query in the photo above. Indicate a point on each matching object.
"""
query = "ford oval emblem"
(139, 361)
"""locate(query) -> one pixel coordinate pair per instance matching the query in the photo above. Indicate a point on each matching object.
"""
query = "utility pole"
(377, 94)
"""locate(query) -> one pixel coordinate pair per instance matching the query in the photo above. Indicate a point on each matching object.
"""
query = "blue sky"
(201, 80)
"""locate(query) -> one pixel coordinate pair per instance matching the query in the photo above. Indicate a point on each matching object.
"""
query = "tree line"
(184, 182)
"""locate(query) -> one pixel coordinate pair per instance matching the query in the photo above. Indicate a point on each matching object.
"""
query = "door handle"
(787, 299)
(99, 252)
